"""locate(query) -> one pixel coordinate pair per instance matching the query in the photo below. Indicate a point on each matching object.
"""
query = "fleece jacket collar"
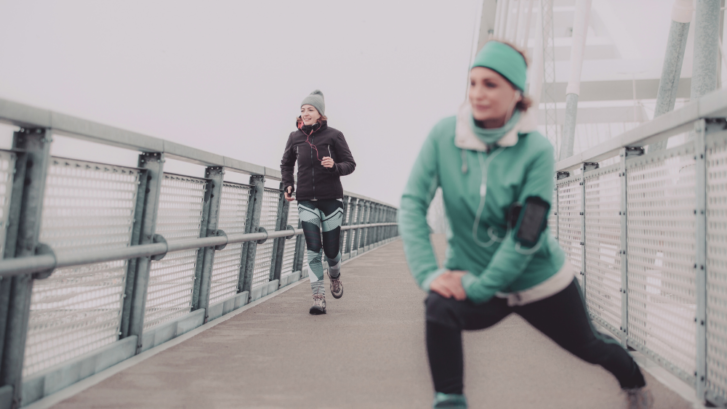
(465, 137)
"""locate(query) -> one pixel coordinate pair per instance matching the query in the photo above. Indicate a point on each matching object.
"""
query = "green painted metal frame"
(31, 170)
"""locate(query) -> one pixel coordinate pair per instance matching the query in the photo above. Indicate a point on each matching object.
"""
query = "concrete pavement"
(367, 352)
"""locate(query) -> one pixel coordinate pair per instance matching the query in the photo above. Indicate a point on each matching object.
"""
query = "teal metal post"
(588, 166)
(11, 235)
(363, 230)
(215, 179)
(701, 128)
(32, 162)
(153, 163)
(299, 256)
(279, 246)
(132, 263)
(199, 266)
(352, 208)
(254, 209)
(344, 222)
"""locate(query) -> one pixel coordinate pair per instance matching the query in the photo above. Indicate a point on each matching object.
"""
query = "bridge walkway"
(367, 352)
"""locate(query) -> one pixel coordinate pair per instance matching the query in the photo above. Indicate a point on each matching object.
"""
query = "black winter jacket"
(314, 180)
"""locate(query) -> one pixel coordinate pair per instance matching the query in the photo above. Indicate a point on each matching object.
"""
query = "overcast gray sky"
(229, 76)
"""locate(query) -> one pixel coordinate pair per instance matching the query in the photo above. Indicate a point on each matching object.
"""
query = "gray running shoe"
(319, 305)
(336, 286)
(639, 398)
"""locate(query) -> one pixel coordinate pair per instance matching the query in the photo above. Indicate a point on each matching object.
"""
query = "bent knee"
(442, 310)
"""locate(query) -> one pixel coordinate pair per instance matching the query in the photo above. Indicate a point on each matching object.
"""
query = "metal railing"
(648, 233)
(102, 262)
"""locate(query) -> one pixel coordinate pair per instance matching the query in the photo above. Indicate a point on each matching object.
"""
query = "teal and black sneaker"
(449, 401)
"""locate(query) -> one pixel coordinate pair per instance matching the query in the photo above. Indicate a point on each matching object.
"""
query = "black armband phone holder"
(529, 220)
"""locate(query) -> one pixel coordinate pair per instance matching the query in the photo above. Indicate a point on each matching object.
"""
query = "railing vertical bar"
(11, 238)
(380, 230)
(344, 222)
(622, 252)
(213, 196)
(352, 207)
(584, 168)
(197, 287)
(366, 220)
(557, 211)
(372, 220)
(154, 165)
(35, 144)
(361, 220)
(133, 263)
(299, 250)
(279, 246)
(245, 245)
(701, 129)
(255, 210)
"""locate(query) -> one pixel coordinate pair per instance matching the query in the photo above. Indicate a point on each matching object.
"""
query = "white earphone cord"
(483, 192)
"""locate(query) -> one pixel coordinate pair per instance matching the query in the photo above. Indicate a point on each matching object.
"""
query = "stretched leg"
(446, 318)
(310, 218)
(564, 319)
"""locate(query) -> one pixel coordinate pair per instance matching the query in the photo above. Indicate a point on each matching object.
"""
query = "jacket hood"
(465, 137)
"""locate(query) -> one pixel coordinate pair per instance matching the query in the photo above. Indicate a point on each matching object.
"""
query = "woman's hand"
(449, 284)
(288, 192)
(327, 162)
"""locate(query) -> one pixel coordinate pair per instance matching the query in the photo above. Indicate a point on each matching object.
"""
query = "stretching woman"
(496, 174)
(323, 157)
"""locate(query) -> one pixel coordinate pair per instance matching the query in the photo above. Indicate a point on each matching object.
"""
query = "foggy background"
(228, 77)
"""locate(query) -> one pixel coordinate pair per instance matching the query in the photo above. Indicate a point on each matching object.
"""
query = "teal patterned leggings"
(325, 216)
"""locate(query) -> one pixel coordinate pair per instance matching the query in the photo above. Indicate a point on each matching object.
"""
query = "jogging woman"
(323, 157)
(496, 173)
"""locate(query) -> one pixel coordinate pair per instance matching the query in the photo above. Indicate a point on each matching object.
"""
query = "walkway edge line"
(93, 380)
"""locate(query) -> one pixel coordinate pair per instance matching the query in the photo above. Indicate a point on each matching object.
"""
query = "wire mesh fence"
(87, 207)
(603, 244)
(570, 194)
(264, 252)
(98, 231)
(232, 220)
(171, 280)
(289, 248)
(658, 301)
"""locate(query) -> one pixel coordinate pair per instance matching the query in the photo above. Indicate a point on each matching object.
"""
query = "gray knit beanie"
(316, 99)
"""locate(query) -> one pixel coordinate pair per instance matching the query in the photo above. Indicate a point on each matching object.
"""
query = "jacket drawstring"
(464, 161)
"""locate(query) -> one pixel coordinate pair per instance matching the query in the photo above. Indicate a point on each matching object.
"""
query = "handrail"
(46, 262)
(658, 129)
(27, 116)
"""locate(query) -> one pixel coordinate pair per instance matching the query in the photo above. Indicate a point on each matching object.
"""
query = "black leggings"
(562, 317)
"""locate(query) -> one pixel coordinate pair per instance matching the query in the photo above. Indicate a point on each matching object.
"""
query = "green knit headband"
(505, 61)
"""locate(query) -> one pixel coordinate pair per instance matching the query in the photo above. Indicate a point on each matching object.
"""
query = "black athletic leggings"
(562, 317)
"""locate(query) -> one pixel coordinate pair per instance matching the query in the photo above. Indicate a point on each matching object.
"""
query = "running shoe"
(319, 305)
(639, 398)
(336, 285)
(449, 401)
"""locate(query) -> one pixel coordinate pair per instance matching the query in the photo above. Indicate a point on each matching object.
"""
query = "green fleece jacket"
(514, 170)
